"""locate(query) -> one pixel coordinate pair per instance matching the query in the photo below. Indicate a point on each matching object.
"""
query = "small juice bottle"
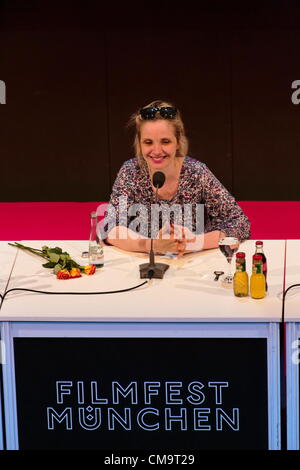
(240, 278)
(259, 250)
(257, 280)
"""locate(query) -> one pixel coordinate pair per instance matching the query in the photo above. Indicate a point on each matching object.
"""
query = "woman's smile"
(158, 159)
(159, 145)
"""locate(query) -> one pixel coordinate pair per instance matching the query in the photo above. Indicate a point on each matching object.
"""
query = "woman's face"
(158, 145)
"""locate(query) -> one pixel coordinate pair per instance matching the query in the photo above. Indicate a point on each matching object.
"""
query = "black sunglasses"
(166, 112)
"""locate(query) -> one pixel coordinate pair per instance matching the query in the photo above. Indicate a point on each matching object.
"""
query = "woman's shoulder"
(194, 166)
(130, 165)
(131, 174)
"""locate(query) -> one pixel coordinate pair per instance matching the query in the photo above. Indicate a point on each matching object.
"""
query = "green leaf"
(57, 268)
(73, 264)
(54, 257)
(56, 250)
(65, 257)
(49, 265)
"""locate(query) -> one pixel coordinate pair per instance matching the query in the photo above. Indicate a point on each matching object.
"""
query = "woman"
(161, 145)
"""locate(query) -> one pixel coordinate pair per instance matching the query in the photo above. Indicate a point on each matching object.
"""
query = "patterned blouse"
(201, 202)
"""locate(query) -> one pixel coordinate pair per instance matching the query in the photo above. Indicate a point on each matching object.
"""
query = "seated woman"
(161, 145)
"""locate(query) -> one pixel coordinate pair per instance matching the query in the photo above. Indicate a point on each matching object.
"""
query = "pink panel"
(277, 220)
(71, 220)
(46, 220)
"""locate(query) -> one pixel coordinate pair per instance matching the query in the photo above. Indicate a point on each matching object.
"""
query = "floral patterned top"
(201, 201)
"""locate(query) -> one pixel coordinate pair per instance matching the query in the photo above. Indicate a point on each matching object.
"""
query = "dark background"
(75, 71)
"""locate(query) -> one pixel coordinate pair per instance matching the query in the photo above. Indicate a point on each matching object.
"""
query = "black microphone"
(154, 270)
(158, 180)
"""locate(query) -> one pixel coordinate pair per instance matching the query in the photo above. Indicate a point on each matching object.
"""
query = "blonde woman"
(160, 144)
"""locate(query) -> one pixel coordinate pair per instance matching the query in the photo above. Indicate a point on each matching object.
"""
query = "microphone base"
(158, 269)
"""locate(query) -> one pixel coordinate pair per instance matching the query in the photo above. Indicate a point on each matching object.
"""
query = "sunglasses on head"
(166, 112)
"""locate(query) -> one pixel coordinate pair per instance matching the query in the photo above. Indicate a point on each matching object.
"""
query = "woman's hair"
(136, 121)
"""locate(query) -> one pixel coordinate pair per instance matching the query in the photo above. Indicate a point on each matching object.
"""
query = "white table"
(7, 257)
(292, 319)
(187, 293)
(187, 303)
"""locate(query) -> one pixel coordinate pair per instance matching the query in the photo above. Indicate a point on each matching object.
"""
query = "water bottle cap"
(259, 242)
(240, 254)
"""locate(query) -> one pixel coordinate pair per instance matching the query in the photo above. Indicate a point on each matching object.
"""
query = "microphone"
(154, 270)
(158, 180)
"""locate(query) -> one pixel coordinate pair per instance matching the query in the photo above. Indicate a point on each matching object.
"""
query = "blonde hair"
(136, 121)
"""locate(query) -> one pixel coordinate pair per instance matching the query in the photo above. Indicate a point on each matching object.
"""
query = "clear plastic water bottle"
(96, 255)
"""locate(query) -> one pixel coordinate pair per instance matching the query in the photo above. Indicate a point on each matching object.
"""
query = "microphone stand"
(153, 270)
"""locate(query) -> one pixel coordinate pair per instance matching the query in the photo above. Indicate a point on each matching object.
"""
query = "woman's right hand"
(166, 242)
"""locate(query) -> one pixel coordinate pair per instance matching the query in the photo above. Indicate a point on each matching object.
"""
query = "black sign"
(142, 393)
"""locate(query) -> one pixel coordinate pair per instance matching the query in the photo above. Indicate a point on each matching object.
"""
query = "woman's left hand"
(187, 242)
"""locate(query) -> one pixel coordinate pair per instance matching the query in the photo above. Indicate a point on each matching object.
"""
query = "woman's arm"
(224, 212)
(189, 243)
(126, 239)
(211, 239)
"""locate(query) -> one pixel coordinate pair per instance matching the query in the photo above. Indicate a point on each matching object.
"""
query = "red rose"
(75, 272)
(89, 269)
(63, 274)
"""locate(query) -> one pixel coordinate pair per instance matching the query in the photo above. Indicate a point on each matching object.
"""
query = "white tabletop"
(188, 292)
(292, 300)
(7, 258)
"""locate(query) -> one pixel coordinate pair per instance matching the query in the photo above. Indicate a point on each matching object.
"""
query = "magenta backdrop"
(71, 220)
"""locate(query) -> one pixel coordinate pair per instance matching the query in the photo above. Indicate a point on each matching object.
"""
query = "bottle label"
(240, 266)
(257, 268)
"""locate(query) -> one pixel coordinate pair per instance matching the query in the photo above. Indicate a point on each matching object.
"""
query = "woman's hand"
(177, 239)
(166, 242)
(188, 242)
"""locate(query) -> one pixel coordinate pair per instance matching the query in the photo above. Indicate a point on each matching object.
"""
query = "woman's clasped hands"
(177, 239)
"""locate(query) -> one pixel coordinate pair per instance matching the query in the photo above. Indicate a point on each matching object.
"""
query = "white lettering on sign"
(174, 406)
